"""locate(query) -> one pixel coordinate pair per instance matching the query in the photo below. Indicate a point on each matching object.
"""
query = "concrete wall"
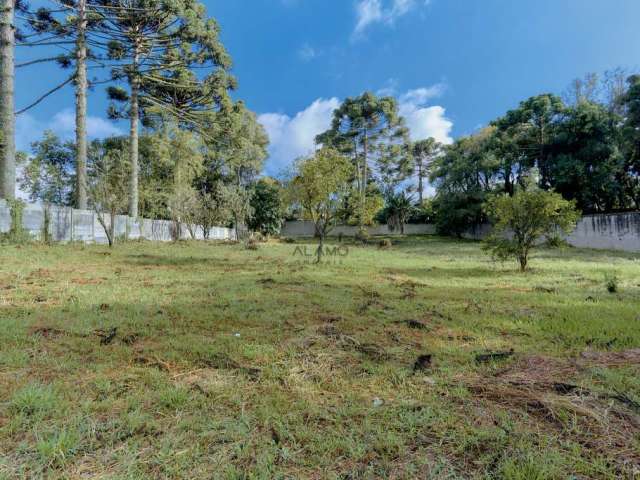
(69, 224)
(307, 229)
(615, 231)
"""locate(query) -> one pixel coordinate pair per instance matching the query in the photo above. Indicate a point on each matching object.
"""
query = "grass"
(257, 364)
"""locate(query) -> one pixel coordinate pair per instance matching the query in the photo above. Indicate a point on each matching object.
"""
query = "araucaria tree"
(370, 131)
(423, 153)
(154, 45)
(320, 185)
(523, 220)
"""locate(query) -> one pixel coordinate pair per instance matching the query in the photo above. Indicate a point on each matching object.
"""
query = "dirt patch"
(47, 332)
(612, 359)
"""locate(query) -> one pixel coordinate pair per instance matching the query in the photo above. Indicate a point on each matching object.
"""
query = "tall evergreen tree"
(368, 128)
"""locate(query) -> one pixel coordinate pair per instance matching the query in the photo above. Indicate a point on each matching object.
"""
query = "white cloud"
(369, 12)
(307, 52)
(425, 121)
(29, 129)
(295, 137)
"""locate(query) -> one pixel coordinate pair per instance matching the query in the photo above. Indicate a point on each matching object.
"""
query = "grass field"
(201, 361)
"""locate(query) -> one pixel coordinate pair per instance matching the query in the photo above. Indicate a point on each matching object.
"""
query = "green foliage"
(266, 203)
(611, 282)
(369, 130)
(320, 186)
(458, 212)
(17, 234)
(524, 219)
(48, 175)
(398, 210)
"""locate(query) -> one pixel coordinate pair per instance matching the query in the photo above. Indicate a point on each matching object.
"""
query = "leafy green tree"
(521, 221)
(398, 210)
(631, 138)
(48, 174)
(585, 162)
(155, 45)
(108, 187)
(532, 127)
(266, 202)
(458, 212)
(370, 131)
(238, 201)
(320, 184)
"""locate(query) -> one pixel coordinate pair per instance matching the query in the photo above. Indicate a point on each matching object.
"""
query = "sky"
(453, 65)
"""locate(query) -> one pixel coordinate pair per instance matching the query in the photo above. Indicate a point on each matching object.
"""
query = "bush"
(611, 282)
(363, 235)
(556, 241)
(521, 220)
(267, 206)
(251, 244)
(459, 212)
(385, 244)
(17, 233)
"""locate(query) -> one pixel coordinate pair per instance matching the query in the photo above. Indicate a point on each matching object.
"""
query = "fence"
(71, 225)
(614, 231)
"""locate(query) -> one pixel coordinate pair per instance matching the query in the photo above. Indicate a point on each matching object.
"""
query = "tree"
(521, 221)
(156, 44)
(457, 213)
(531, 126)
(423, 152)
(585, 162)
(398, 210)
(108, 188)
(320, 185)
(367, 128)
(7, 109)
(212, 209)
(266, 203)
(238, 201)
(48, 175)
(631, 138)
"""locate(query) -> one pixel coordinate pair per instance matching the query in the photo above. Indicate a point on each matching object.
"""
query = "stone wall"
(68, 224)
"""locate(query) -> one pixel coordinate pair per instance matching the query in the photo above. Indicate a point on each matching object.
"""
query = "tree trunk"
(81, 108)
(364, 179)
(320, 250)
(7, 113)
(134, 114)
(420, 182)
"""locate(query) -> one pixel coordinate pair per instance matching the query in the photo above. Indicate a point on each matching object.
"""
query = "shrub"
(556, 241)
(385, 244)
(521, 220)
(611, 282)
(251, 244)
(17, 233)
(363, 235)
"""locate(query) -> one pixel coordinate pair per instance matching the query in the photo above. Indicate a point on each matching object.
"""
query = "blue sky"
(453, 64)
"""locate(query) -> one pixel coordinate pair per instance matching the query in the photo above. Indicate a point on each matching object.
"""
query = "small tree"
(183, 207)
(521, 221)
(267, 207)
(108, 190)
(237, 198)
(398, 210)
(320, 186)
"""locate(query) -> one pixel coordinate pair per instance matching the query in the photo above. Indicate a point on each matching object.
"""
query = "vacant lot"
(211, 361)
